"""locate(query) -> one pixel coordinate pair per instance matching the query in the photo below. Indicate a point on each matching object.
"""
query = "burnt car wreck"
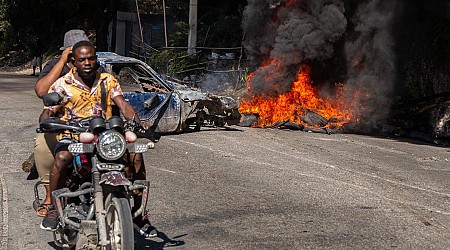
(182, 108)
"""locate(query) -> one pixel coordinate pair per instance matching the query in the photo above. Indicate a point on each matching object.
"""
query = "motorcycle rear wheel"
(119, 224)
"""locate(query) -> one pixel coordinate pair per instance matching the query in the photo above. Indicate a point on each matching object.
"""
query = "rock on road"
(247, 188)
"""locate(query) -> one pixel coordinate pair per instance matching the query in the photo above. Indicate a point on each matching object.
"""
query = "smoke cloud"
(371, 61)
(285, 34)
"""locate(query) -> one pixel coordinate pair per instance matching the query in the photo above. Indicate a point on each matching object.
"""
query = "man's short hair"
(81, 44)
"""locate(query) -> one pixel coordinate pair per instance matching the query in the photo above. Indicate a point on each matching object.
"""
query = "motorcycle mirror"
(151, 102)
(52, 99)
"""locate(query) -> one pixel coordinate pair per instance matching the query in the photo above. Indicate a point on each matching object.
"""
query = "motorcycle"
(95, 206)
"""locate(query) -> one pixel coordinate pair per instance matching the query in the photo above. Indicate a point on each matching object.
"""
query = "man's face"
(85, 62)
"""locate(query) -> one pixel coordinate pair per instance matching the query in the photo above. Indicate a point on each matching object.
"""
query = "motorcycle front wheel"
(119, 224)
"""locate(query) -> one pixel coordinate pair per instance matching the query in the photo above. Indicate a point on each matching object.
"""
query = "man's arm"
(126, 108)
(50, 111)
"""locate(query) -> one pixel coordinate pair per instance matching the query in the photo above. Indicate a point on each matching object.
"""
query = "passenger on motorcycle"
(81, 89)
(45, 142)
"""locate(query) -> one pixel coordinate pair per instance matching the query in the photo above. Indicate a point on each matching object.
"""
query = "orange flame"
(293, 105)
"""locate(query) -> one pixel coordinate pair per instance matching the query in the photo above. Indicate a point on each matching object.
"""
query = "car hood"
(189, 94)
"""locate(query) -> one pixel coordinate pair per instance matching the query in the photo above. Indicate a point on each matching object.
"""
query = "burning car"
(182, 108)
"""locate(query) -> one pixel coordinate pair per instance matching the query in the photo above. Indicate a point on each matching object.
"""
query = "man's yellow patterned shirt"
(81, 101)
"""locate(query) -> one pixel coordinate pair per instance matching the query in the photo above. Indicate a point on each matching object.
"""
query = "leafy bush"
(172, 62)
(6, 38)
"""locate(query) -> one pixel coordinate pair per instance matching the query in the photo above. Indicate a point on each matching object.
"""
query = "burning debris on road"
(297, 107)
(314, 123)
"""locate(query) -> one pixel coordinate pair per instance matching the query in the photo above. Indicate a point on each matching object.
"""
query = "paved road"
(244, 188)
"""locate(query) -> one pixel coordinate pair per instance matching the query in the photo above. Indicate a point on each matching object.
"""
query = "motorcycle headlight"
(111, 145)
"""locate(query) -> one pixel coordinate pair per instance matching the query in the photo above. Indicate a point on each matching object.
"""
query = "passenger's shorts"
(43, 154)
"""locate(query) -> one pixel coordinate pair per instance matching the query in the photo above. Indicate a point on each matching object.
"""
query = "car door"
(167, 115)
(139, 84)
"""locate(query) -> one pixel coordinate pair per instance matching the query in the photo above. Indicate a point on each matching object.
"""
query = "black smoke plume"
(355, 36)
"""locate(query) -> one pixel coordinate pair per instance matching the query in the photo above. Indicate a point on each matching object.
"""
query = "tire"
(119, 224)
(72, 238)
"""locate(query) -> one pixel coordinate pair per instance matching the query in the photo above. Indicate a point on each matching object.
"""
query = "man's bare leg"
(57, 177)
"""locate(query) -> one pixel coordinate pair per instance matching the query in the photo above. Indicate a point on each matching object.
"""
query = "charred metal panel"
(170, 119)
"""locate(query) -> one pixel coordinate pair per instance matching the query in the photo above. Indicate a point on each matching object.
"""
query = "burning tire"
(314, 119)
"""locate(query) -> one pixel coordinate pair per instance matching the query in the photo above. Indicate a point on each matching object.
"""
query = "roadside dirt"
(25, 68)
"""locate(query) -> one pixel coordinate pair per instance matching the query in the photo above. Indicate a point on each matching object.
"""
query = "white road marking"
(163, 169)
(4, 236)
(323, 139)
(205, 147)
(297, 157)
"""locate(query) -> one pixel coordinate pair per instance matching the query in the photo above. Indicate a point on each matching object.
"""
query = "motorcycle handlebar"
(53, 125)
(148, 134)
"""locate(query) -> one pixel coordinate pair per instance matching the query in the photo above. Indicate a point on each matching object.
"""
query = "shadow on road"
(158, 242)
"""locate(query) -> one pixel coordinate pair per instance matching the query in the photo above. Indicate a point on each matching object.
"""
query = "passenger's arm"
(43, 84)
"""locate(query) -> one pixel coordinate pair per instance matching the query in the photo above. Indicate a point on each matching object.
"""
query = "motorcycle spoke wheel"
(119, 224)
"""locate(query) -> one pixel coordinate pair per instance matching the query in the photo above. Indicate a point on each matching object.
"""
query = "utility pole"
(192, 37)
(165, 23)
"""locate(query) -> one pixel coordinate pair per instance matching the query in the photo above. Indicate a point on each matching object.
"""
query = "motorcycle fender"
(114, 178)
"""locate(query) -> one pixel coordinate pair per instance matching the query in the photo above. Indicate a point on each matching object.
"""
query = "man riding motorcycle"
(84, 96)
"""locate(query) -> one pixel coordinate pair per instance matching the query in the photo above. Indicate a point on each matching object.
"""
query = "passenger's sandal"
(43, 210)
